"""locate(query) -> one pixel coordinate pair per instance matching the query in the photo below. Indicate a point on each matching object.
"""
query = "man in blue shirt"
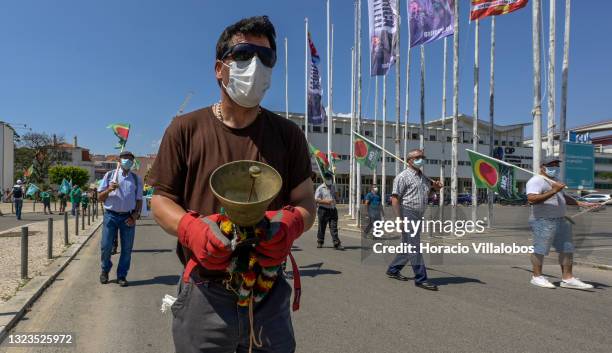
(375, 209)
(121, 192)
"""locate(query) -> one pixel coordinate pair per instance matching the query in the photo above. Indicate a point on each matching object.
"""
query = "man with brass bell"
(232, 182)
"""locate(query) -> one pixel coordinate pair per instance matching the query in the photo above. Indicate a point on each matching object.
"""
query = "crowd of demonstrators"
(411, 189)
(550, 225)
(193, 146)
(121, 193)
(327, 213)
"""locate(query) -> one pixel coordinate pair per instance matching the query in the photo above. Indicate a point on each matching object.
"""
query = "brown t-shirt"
(195, 144)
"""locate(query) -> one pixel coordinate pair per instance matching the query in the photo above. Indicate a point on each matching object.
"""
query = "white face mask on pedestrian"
(418, 162)
(551, 172)
(248, 82)
(126, 164)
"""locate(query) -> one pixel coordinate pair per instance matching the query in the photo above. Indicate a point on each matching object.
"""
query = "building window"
(503, 143)
(480, 142)
(367, 133)
(510, 143)
(432, 137)
(316, 128)
(518, 144)
(325, 129)
(496, 142)
(338, 131)
(448, 139)
(415, 136)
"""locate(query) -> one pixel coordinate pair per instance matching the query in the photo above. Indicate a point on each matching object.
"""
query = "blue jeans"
(18, 207)
(114, 222)
(549, 232)
(415, 259)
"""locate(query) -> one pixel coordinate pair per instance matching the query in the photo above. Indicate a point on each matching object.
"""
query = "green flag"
(32, 189)
(491, 174)
(366, 153)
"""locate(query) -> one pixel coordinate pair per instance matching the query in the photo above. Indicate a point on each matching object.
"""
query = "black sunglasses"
(246, 51)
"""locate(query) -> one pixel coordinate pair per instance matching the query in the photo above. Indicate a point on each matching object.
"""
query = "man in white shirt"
(550, 225)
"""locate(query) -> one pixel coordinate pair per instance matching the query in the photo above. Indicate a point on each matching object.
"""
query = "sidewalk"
(10, 251)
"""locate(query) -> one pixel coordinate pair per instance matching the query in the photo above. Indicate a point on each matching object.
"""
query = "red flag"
(484, 8)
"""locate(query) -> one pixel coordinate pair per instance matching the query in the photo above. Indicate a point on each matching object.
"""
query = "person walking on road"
(550, 225)
(121, 192)
(207, 314)
(45, 196)
(63, 199)
(409, 197)
(17, 195)
(75, 199)
(327, 213)
(375, 209)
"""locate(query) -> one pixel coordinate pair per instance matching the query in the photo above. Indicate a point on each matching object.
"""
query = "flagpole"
(490, 194)
(407, 108)
(565, 71)
(384, 138)
(358, 198)
(397, 91)
(375, 124)
(286, 80)
(352, 160)
(550, 145)
(443, 156)
(537, 87)
(475, 136)
(455, 115)
(306, 77)
(422, 128)
(330, 114)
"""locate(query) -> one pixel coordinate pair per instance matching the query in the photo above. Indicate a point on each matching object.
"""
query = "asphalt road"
(347, 305)
(9, 221)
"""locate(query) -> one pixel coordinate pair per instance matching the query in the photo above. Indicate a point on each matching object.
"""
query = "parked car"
(464, 199)
(599, 198)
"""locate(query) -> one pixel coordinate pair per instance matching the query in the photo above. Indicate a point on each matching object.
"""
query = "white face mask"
(248, 82)
(551, 172)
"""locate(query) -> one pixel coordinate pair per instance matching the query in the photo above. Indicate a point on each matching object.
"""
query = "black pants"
(328, 215)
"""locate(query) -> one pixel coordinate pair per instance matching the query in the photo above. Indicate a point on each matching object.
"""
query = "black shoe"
(104, 277)
(338, 246)
(427, 285)
(122, 282)
(319, 245)
(398, 276)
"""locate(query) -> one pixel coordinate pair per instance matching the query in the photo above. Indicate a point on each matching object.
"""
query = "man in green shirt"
(75, 198)
(85, 201)
(46, 199)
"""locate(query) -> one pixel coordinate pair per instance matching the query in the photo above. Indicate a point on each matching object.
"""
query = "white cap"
(19, 182)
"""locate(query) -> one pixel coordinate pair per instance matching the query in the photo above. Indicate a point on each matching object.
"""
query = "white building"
(509, 138)
(74, 155)
(7, 155)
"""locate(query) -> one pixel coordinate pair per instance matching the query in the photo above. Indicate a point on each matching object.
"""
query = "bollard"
(34, 207)
(88, 216)
(76, 221)
(24, 252)
(83, 220)
(50, 238)
(66, 228)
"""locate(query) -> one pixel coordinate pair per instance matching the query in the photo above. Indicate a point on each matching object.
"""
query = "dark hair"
(256, 25)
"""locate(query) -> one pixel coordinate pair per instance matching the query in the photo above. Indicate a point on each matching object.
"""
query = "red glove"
(286, 225)
(203, 237)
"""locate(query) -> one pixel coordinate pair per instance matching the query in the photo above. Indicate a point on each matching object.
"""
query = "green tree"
(79, 176)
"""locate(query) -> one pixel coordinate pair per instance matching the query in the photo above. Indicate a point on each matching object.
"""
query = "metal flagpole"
(443, 156)
(550, 144)
(286, 81)
(330, 114)
(352, 161)
(475, 136)
(490, 193)
(398, 86)
(565, 71)
(455, 115)
(537, 87)
(375, 179)
(422, 129)
(306, 77)
(407, 108)
(384, 138)
(358, 67)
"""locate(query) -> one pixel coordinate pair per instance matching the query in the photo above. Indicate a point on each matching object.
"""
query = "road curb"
(19, 304)
(593, 264)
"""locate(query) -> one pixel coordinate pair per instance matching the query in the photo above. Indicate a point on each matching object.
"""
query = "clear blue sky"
(73, 67)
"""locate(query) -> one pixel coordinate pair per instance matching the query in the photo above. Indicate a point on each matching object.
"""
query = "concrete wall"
(7, 156)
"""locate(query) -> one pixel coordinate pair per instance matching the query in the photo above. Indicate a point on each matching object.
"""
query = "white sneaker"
(541, 281)
(575, 283)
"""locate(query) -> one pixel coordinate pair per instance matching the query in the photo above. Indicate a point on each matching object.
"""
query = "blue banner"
(579, 166)
(316, 112)
(430, 20)
(383, 16)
